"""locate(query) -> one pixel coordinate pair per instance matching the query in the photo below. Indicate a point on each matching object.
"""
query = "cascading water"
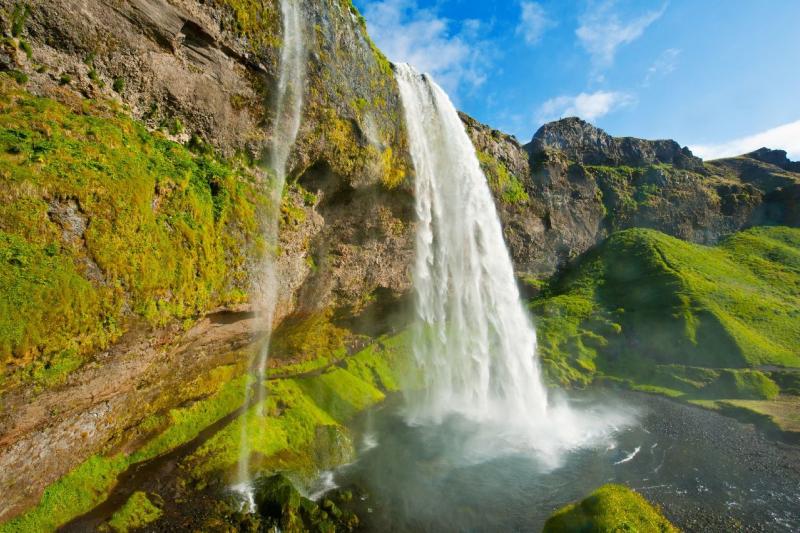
(288, 114)
(474, 344)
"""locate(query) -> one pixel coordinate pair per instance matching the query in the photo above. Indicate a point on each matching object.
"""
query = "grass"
(645, 304)
(137, 512)
(89, 229)
(88, 485)
(502, 181)
(609, 508)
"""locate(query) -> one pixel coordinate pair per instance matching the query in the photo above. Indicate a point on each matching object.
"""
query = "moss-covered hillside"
(694, 319)
(101, 221)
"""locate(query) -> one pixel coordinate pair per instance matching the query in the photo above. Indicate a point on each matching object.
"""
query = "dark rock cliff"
(583, 184)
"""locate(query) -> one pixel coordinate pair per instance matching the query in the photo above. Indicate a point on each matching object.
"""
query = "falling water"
(288, 112)
(476, 347)
(474, 344)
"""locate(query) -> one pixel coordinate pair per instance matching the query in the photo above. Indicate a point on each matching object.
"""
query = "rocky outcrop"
(203, 73)
(583, 184)
(777, 158)
(587, 144)
(99, 409)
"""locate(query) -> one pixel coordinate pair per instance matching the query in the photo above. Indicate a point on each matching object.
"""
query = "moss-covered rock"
(609, 508)
(282, 506)
(137, 512)
(102, 220)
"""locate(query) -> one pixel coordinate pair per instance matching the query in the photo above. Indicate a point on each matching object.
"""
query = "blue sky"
(720, 76)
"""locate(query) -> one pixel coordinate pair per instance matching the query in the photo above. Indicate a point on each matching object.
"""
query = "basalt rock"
(582, 142)
(583, 184)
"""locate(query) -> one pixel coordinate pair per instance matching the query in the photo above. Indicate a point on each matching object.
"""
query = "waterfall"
(288, 113)
(474, 344)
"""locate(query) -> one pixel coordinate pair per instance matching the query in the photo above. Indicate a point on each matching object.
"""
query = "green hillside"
(666, 313)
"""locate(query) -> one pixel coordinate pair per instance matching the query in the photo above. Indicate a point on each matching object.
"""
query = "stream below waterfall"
(706, 471)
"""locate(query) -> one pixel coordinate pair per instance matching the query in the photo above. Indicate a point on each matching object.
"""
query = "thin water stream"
(289, 107)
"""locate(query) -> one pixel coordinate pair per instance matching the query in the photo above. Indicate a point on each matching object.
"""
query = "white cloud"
(588, 106)
(410, 34)
(663, 65)
(533, 22)
(602, 31)
(785, 137)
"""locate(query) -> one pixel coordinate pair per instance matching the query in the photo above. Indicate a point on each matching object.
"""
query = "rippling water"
(708, 473)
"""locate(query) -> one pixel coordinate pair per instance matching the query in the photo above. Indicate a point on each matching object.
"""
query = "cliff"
(581, 185)
(133, 199)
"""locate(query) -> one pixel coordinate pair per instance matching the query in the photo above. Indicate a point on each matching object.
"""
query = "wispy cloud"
(451, 52)
(588, 106)
(533, 22)
(785, 137)
(663, 65)
(602, 30)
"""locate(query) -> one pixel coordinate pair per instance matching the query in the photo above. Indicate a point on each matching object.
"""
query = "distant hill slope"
(643, 302)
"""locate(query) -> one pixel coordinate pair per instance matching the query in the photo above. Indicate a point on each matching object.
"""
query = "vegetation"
(258, 21)
(88, 485)
(667, 313)
(609, 508)
(285, 509)
(137, 512)
(502, 181)
(90, 229)
(298, 409)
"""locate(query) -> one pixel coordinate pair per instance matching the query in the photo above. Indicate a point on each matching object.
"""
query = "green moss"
(256, 20)
(89, 228)
(644, 300)
(502, 181)
(74, 494)
(307, 337)
(18, 18)
(742, 384)
(348, 155)
(26, 48)
(20, 77)
(609, 508)
(137, 512)
(88, 485)
(119, 85)
(290, 418)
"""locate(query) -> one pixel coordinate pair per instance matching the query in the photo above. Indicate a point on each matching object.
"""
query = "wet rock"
(281, 505)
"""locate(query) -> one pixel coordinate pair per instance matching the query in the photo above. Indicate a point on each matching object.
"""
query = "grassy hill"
(681, 318)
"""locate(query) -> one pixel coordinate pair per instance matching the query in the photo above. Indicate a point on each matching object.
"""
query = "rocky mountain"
(582, 184)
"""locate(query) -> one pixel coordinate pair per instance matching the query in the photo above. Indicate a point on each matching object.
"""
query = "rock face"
(587, 144)
(203, 73)
(583, 184)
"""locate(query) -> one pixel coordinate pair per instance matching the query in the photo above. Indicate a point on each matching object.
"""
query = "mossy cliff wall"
(133, 190)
